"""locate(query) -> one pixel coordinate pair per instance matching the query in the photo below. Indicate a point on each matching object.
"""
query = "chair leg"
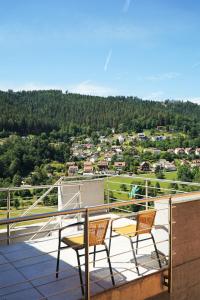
(109, 247)
(134, 256)
(94, 256)
(137, 240)
(109, 263)
(156, 250)
(80, 272)
(58, 259)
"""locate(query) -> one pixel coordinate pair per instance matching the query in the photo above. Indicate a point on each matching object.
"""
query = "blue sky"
(145, 48)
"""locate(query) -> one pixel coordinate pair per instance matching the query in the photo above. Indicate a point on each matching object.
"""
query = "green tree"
(16, 203)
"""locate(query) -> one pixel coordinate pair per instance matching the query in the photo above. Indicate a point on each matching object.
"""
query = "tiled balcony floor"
(26, 272)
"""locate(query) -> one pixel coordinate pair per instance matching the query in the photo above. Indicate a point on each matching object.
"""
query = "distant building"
(142, 137)
(121, 139)
(189, 151)
(195, 163)
(88, 167)
(185, 162)
(169, 167)
(179, 151)
(153, 150)
(73, 170)
(102, 165)
(145, 166)
(161, 128)
(70, 163)
(197, 151)
(119, 165)
(158, 138)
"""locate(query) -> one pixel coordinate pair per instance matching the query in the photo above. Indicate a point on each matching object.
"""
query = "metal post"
(8, 217)
(108, 194)
(87, 270)
(146, 193)
(170, 247)
(79, 206)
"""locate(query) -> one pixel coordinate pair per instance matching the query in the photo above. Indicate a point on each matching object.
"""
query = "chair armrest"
(132, 216)
(71, 225)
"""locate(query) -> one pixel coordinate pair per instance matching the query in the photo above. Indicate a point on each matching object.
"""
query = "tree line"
(34, 112)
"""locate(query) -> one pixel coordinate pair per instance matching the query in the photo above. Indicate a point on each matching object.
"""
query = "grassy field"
(16, 213)
(115, 183)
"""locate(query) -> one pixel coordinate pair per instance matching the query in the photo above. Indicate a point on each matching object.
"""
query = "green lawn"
(114, 183)
(17, 213)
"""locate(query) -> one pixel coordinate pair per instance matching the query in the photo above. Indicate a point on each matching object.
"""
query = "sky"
(144, 48)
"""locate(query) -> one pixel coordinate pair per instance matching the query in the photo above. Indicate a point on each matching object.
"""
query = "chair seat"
(129, 230)
(74, 241)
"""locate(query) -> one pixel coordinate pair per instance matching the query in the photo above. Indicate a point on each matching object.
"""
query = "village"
(129, 153)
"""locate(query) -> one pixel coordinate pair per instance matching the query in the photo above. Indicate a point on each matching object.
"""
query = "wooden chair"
(97, 234)
(144, 224)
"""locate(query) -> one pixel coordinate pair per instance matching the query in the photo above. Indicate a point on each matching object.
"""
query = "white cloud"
(164, 76)
(88, 88)
(193, 99)
(126, 5)
(85, 87)
(109, 55)
(196, 65)
(29, 86)
(157, 95)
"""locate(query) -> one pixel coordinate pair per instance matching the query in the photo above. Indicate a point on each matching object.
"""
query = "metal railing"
(86, 212)
(114, 205)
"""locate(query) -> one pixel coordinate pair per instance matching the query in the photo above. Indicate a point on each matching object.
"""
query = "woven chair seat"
(75, 241)
(129, 230)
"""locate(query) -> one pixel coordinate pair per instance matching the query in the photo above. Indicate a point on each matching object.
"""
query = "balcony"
(29, 243)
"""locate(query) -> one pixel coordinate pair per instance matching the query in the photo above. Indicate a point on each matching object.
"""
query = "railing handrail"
(89, 208)
(78, 179)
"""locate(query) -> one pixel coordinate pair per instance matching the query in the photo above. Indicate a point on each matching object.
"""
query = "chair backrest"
(145, 221)
(97, 231)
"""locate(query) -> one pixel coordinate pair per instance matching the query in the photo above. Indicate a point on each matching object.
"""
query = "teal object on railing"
(134, 191)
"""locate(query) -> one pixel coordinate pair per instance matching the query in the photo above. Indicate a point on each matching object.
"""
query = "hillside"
(42, 111)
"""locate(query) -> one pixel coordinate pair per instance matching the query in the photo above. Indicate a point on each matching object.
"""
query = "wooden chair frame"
(92, 242)
(138, 232)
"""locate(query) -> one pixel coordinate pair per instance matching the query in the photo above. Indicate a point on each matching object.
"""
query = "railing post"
(79, 206)
(108, 194)
(170, 247)
(8, 217)
(146, 193)
(87, 270)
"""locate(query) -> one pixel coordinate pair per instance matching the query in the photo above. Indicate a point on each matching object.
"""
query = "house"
(94, 158)
(154, 151)
(119, 165)
(184, 162)
(103, 139)
(195, 163)
(189, 151)
(88, 140)
(197, 151)
(170, 151)
(158, 138)
(142, 137)
(121, 139)
(157, 165)
(145, 166)
(179, 151)
(169, 167)
(109, 155)
(117, 149)
(88, 167)
(73, 170)
(102, 165)
(70, 163)
(161, 128)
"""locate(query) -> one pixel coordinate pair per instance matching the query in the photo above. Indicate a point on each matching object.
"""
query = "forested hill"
(42, 111)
